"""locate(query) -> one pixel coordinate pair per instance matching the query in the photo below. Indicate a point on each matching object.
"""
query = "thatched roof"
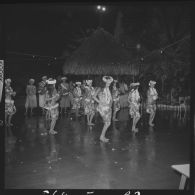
(100, 54)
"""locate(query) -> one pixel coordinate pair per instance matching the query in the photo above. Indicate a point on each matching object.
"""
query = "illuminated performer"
(31, 99)
(77, 98)
(42, 93)
(116, 102)
(83, 91)
(64, 94)
(89, 106)
(104, 98)
(10, 108)
(51, 104)
(152, 96)
(134, 104)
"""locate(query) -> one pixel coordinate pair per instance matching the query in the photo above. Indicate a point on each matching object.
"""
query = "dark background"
(57, 30)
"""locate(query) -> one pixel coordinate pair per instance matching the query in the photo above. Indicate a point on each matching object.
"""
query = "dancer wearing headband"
(51, 104)
(42, 93)
(152, 96)
(134, 104)
(104, 99)
(64, 94)
(10, 108)
(89, 106)
(31, 99)
(77, 98)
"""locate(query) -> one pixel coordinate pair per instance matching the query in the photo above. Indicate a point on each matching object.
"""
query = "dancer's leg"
(26, 110)
(152, 115)
(53, 122)
(105, 128)
(9, 120)
(91, 118)
(133, 125)
(88, 119)
(135, 121)
(31, 111)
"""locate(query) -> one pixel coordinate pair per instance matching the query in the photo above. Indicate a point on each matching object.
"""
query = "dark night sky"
(49, 29)
(46, 30)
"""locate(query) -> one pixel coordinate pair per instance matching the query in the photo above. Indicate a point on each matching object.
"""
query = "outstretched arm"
(95, 95)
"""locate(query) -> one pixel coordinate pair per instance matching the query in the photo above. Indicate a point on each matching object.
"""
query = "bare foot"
(53, 132)
(103, 139)
(151, 124)
(135, 130)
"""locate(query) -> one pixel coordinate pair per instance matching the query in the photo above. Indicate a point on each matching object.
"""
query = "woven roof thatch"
(100, 54)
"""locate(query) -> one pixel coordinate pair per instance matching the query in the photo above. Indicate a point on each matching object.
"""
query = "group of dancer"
(104, 100)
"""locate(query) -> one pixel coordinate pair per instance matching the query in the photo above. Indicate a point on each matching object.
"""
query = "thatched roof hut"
(100, 54)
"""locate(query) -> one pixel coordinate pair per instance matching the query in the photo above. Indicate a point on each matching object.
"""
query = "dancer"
(77, 98)
(10, 108)
(152, 96)
(104, 105)
(42, 93)
(64, 93)
(134, 104)
(116, 102)
(83, 92)
(51, 104)
(89, 102)
(71, 89)
(31, 99)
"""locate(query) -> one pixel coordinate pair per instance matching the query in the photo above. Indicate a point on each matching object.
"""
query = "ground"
(76, 159)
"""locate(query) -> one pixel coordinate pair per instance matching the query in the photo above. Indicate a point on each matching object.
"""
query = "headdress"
(64, 78)
(107, 79)
(31, 81)
(78, 83)
(51, 81)
(8, 81)
(89, 82)
(152, 83)
(134, 84)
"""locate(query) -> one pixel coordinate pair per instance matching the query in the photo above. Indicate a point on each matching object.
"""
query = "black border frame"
(82, 192)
